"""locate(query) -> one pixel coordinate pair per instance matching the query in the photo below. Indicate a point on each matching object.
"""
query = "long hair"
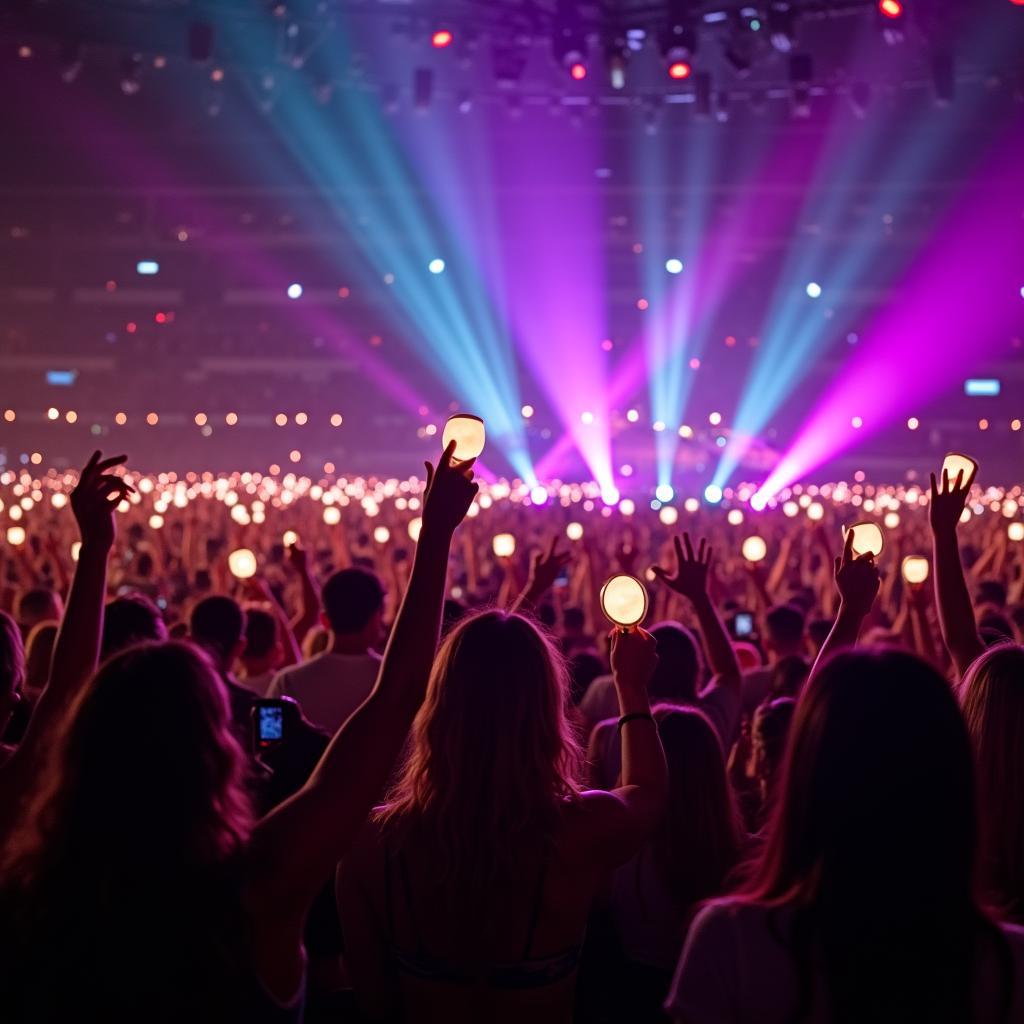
(493, 756)
(872, 843)
(698, 841)
(117, 872)
(992, 697)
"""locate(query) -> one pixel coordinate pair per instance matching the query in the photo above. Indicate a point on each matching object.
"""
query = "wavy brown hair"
(493, 755)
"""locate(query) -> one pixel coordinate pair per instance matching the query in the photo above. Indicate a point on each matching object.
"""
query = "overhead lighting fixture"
(131, 74)
(782, 27)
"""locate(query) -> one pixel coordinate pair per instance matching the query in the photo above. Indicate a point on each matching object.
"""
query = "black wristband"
(636, 716)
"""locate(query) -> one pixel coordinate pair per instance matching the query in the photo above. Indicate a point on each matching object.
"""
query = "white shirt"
(328, 687)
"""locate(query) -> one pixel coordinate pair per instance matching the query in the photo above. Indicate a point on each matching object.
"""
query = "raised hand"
(947, 504)
(298, 558)
(634, 657)
(546, 566)
(95, 498)
(857, 579)
(450, 491)
(691, 575)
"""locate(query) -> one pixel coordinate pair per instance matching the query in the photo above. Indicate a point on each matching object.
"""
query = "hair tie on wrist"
(636, 716)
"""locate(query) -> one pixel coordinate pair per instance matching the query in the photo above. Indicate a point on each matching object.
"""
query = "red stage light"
(441, 38)
(679, 70)
(1017, 3)
(578, 71)
(891, 8)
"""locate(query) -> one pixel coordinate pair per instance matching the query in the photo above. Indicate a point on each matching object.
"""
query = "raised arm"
(857, 583)
(545, 567)
(76, 652)
(309, 613)
(296, 846)
(690, 580)
(956, 613)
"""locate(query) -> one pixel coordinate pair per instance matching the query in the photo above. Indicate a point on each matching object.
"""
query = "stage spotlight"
(632, 415)
(782, 27)
(131, 74)
(526, 411)
(574, 531)
(856, 423)
(294, 291)
(436, 266)
(814, 290)
(578, 71)
(679, 70)
(568, 43)
(712, 494)
(891, 8)
(539, 495)
(678, 42)
(674, 266)
(586, 418)
(714, 418)
(664, 492)
(441, 39)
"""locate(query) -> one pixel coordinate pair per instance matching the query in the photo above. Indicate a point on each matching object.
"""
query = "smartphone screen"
(744, 624)
(270, 725)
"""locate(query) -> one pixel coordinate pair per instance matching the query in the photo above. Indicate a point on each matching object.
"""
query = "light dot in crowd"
(527, 411)
(856, 423)
(815, 511)
(430, 429)
(15, 536)
(76, 550)
(436, 266)
(381, 534)
(200, 418)
(332, 515)
(539, 495)
(686, 431)
(182, 235)
(913, 423)
(607, 345)
(289, 538)
(664, 492)
(301, 419)
(1015, 424)
(657, 426)
(15, 512)
(328, 467)
(610, 495)
(152, 419)
(983, 424)
(473, 511)
(754, 549)
(735, 517)
(642, 304)
(574, 531)
(441, 38)
(814, 290)
(71, 416)
(389, 278)
(965, 516)
(625, 469)
(25, 51)
(280, 419)
(691, 504)
(10, 415)
(758, 502)
(632, 415)
(336, 419)
(891, 520)
(274, 469)
(715, 418)
(242, 563)
(586, 418)
(627, 506)
(294, 291)
(668, 514)
(156, 521)
(1015, 531)
(120, 419)
(414, 527)
(131, 327)
(503, 545)
(674, 266)
(51, 413)
(712, 494)
(343, 292)
(231, 419)
(59, 499)
(295, 455)
(790, 509)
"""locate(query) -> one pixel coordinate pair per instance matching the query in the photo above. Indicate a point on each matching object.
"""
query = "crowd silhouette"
(385, 780)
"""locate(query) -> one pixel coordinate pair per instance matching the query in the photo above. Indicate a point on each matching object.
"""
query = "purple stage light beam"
(957, 308)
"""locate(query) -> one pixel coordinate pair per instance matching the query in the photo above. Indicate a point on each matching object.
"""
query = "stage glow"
(1015, 531)
(674, 266)
(891, 8)
(147, 267)
(468, 433)
(813, 290)
(587, 418)
(679, 70)
(632, 415)
(915, 568)
(856, 422)
(294, 291)
(712, 494)
(624, 601)
(664, 492)
(982, 387)
(574, 531)
(441, 38)
(539, 494)
(436, 266)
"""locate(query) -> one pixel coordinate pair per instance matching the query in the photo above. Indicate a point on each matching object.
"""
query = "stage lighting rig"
(892, 18)
(70, 61)
(569, 41)
(782, 26)
(678, 40)
(131, 74)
